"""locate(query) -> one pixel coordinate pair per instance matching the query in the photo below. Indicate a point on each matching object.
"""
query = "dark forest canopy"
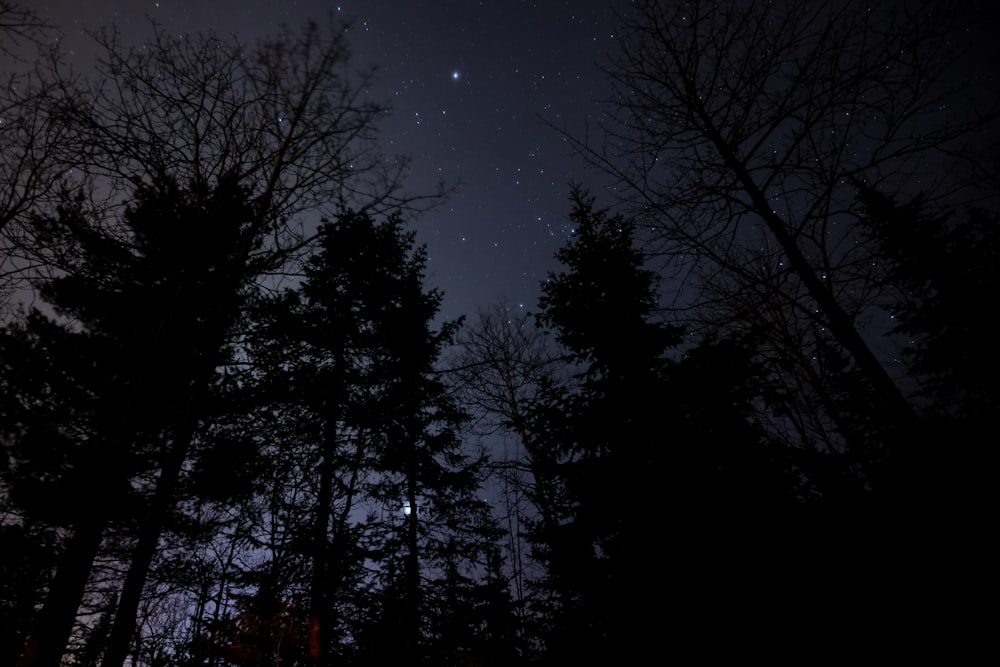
(235, 431)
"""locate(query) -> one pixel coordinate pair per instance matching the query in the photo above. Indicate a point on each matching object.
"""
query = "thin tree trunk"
(412, 574)
(319, 614)
(146, 546)
(47, 641)
(839, 322)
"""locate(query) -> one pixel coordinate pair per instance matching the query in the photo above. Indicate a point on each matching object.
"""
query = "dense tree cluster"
(235, 433)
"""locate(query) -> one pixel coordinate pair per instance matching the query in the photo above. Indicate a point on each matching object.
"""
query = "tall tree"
(940, 266)
(151, 318)
(641, 442)
(735, 131)
(348, 367)
(403, 405)
(503, 364)
(201, 304)
(320, 345)
(598, 437)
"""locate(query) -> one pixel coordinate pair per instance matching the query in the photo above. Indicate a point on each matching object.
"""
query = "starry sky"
(468, 83)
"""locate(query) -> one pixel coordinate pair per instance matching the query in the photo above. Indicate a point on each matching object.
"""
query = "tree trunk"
(319, 613)
(47, 641)
(412, 575)
(146, 546)
(839, 322)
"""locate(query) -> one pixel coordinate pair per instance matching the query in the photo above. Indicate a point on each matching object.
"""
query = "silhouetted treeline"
(236, 433)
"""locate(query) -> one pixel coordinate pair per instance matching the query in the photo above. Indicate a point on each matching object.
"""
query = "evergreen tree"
(144, 318)
(657, 461)
(348, 362)
(600, 438)
(941, 266)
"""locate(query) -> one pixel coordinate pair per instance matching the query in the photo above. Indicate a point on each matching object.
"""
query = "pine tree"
(350, 355)
(940, 266)
(145, 315)
(657, 461)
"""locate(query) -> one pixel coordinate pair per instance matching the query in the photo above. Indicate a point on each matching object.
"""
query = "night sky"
(468, 83)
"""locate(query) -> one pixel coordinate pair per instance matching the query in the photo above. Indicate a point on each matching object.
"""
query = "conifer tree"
(940, 266)
(143, 321)
(351, 356)
(656, 459)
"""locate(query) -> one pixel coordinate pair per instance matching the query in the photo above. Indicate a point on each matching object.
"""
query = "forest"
(236, 432)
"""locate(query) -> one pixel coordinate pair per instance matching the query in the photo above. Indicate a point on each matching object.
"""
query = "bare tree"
(288, 115)
(19, 25)
(503, 360)
(31, 134)
(737, 132)
(502, 365)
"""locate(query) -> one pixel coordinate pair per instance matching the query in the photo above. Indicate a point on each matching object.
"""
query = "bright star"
(456, 75)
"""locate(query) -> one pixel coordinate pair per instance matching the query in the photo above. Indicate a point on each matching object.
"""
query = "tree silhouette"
(414, 458)
(32, 131)
(157, 138)
(940, 265)
(150, 318)
(17, 24)
(343, 376)
(287, 115)
(502, 367)
(736, 131)
(643, 445)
